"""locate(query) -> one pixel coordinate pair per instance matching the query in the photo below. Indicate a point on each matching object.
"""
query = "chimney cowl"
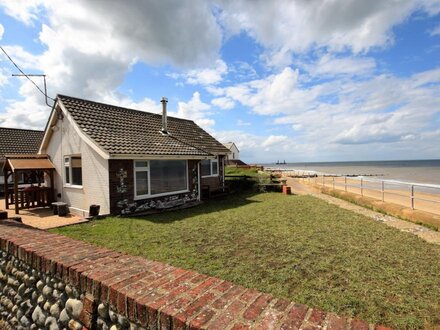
(164, 102)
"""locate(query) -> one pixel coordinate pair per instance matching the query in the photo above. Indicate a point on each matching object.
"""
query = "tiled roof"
(19, 141)
(126, 131)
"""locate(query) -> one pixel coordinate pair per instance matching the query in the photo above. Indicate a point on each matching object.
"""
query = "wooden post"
(362, 188)
(383, 191)
(16, 192)
(52, 190)
(333, 183)
(345, 183)
(5, 173)
(412, 197)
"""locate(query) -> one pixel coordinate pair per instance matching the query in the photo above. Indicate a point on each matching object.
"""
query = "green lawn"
(297, 247)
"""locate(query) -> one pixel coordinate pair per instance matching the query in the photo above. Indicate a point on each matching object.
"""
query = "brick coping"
(156, 295)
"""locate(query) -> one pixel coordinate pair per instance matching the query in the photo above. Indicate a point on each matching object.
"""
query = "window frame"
(211, 161)
(147, 168)
(67, 163)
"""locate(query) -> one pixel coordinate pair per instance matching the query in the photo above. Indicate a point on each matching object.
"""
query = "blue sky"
(285, 80)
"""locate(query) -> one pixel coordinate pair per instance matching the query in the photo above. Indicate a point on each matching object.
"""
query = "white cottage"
(234, 153)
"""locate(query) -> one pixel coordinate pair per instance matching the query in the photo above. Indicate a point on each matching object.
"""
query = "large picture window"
(160, 177)
(209, 167)
(72, 171)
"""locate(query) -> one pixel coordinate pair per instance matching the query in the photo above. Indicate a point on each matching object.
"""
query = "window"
(141, 177)
(209, 167)
(160, 177)
(73, 171)
(168, 176)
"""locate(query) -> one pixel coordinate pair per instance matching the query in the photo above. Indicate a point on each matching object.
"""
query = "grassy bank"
(252, 172)
(297, 247)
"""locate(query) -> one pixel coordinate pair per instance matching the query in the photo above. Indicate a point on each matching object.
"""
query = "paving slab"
(43, 218)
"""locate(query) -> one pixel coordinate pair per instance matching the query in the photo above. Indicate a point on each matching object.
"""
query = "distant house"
(17, 141)
(233, 153)
(127, 160)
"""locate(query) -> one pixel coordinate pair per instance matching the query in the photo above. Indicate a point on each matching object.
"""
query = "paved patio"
(42, 218)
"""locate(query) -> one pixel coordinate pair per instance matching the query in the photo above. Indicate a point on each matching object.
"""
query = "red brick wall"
(155, 295)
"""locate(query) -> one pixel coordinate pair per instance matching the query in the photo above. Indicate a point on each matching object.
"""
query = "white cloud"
(285, 27)
(92, 45)
(25, 11)
(209, 76)
(436, 31)
(4, 77)
(273, 140)
(383, 110)
(196, 110)
(153, 31)
(277, 93)
(18, 114)
(223, 103)
(24, 59)
(330, 65)
(241, 122)
(252, 150)
(2, 30)
(145, 104)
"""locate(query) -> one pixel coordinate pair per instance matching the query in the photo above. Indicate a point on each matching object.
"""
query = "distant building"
(233, 157)
(234, 153)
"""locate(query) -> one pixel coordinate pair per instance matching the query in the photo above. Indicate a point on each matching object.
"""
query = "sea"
(412, 171)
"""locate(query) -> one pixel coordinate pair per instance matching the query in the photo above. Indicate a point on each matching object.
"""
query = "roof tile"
(19, 141)
(126, 131)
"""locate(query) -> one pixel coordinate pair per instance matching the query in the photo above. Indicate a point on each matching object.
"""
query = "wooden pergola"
(35, 190)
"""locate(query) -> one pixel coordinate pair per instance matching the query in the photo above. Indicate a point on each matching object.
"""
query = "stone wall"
(49, 281)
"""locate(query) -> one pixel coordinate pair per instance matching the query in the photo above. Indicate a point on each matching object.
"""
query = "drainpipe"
(199, 173)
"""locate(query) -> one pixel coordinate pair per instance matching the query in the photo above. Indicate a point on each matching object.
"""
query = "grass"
(384, 209)
(252, 172)
(297, 247)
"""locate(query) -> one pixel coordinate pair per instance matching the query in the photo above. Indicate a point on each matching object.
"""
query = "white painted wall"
(233, 153)
(95, 189)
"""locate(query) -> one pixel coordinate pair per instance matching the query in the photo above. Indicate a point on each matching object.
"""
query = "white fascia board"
(104, 154)
(152, 157)
(48, 131)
